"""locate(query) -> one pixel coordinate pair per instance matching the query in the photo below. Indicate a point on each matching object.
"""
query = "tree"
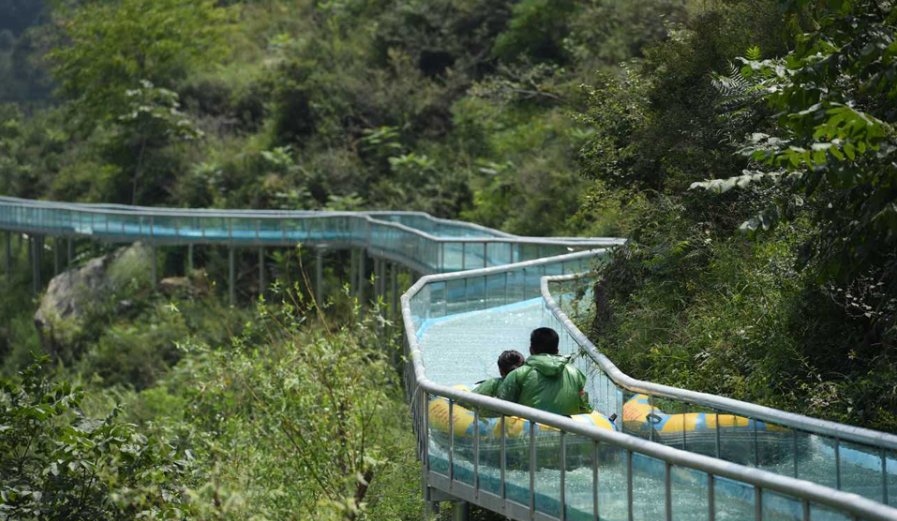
(58, 464)
(110, 47)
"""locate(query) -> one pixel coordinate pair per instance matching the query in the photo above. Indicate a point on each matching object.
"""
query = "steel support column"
(231, 275)
(361, 277)
(353, 260)
(319, 277)
(378, 278)
(394, 292)
(69, 251)
(37, 245)
(8, 236)
(261, 271)
(189, 258)
(154, 268)
(56, 251)
(461, 511)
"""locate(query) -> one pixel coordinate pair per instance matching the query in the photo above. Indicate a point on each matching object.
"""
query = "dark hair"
(509, 360)
(543, 341)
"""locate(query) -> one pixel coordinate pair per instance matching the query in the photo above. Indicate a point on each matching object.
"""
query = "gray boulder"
(73, 295)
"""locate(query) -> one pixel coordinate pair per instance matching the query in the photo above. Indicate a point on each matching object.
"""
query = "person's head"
(508, 361)
(543, 341)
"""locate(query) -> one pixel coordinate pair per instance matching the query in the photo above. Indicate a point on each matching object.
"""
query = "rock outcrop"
(76, 293)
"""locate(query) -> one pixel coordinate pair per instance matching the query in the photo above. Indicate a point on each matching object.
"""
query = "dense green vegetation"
(746, 149)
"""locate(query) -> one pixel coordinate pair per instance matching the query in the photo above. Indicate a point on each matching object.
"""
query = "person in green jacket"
(507, 362)
(547, 380)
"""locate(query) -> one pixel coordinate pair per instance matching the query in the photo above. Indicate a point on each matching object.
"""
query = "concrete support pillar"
(231, 275)
(319, 277)
(262, 281)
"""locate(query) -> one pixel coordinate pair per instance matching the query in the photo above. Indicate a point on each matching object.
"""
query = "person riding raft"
(507, 362)
(547, 380)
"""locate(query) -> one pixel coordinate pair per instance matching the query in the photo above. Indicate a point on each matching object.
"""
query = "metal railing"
(858, 460)
(438, 246)
(575, 471)
(582, 472)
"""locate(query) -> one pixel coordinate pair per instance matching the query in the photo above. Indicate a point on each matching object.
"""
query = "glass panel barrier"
(779, 507)
(580, 454)
(613, 478)
(517, 460)
(821, 467)
(549, 468)
(688, 489)
(732, 499)
(465, 427)
(496, 289)
(822, 513)
(648, 488)
(861, 470)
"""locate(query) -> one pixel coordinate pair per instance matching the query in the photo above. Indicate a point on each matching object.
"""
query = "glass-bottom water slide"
(669, 453)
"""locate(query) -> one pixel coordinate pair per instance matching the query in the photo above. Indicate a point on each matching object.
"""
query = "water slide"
(668, 453)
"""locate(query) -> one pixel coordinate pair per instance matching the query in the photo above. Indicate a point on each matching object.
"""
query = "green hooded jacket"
(547, 382)
(488, 387)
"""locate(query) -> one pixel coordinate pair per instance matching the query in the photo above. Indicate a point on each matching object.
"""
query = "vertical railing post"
(563, 491)
(838, 463)
(758, 504)
(630, 496)
(532, 469)
(595, 462)
(711, 498)
(503, 457)
(884, 477)
(668, 491)
(718, 440)
(756, 443)
(476, 453)
(451, 455)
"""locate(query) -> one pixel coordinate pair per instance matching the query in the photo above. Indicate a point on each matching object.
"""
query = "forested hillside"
(745, 148)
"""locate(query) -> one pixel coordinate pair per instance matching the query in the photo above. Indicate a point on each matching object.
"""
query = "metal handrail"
(806, 492)
(798, 421)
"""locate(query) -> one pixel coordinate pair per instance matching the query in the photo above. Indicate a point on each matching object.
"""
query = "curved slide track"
(670, 454)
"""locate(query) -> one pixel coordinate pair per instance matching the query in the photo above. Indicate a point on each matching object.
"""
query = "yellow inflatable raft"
(462, 423)
(737, 438)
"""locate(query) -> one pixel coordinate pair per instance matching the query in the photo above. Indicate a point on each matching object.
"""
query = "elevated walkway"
(674, 454)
